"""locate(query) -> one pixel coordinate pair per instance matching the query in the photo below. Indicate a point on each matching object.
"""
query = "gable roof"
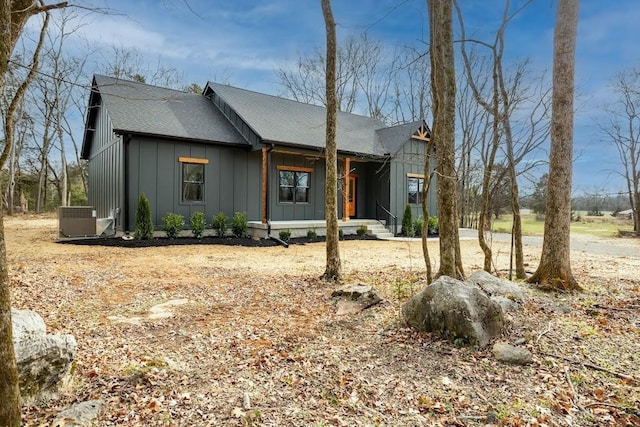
(394, 137)
(140, 108)
(288, 122)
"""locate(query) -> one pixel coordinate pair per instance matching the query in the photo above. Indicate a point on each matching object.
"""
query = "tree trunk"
(425, 211)
(554, 270)
(9, 390)
(333, 268)
(14, 14)
(443, 84)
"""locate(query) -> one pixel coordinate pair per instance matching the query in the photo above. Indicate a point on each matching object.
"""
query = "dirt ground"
(253, 337)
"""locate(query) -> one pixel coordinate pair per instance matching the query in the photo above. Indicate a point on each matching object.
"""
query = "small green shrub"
(362, 230)
(172, 224)
(418, 223)
(219, 223)
(144, 226)
(239, 224)
(198, 224)
(432, 225)
(285, 235)
(340, 233)
(407, 222)
(311, 234)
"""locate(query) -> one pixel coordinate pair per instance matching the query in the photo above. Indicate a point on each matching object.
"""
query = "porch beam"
(345, 189)
(265, 177)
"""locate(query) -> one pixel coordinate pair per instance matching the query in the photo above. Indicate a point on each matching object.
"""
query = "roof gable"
(395, 137)
(151, 110)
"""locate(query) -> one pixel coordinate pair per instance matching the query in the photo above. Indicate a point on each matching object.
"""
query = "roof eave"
(180, 138)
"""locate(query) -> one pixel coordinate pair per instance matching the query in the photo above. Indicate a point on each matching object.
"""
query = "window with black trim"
(192, 182)
(294, 186)
(414, 189)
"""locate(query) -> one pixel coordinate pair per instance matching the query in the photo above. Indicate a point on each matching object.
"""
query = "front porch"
(299, 228)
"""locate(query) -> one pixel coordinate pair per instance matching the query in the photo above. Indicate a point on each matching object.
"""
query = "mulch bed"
(207, 240)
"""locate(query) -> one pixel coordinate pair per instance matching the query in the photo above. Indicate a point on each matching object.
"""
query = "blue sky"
(243, 41)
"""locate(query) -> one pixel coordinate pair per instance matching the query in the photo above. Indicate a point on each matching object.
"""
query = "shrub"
(340, 233)
(418, 223)
(239, 224)
(362, 230)
(407, 222)
(432, 225)
(144, 226)
(198, 224)
(285, 235)
(172, 224)
(311, 234)
(219, 223)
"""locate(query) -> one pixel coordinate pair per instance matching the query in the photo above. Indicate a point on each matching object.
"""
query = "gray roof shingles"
(284, 121)
(151, 110)
(144, 109)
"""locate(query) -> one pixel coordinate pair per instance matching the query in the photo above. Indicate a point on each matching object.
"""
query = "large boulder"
(43, 360)
(497, 287)
(455, 309)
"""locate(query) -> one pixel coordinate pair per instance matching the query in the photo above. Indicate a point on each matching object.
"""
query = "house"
(234, 150)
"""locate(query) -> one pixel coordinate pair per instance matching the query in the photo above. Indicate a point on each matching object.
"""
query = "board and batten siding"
(314, 210)
(231, 180)
(410, 161)
(106, 180)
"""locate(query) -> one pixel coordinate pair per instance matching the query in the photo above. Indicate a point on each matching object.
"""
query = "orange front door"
(352, 195)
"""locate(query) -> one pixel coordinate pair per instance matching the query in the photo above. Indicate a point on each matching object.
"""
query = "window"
(192, 182)
(414, 189)
(294, 185)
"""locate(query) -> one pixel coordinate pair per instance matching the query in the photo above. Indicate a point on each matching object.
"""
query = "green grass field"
(603, 226)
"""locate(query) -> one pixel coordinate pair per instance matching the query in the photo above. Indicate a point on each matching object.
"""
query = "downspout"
(125, 148)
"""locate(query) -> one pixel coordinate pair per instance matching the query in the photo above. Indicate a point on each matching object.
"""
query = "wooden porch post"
(265, 178)
(345, 189)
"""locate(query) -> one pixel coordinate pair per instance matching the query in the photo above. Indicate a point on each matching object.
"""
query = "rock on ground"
(43, 359)
(79, 415)
(455, 310)
(495, 286)
(352, 299)
(513, 355)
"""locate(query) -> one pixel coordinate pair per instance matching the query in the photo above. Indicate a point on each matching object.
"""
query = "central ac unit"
(77, 221)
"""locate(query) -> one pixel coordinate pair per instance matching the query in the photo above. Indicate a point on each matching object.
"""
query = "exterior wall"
(231, 181)
(106, 185)
(296, 211)
(410, 160)
(377, 189)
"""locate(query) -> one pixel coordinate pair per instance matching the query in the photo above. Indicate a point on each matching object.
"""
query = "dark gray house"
(234, 150)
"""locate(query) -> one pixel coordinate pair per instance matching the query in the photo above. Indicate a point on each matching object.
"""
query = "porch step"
(379, 231)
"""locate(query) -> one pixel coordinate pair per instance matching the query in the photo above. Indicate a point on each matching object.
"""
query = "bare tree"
(411, 86)
(333, 268)
(623, 129)
(554, 270)
(14, 14)
(473, 148)
(507, 94)
(443, 88)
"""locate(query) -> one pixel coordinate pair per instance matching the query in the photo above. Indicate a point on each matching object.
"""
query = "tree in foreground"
(14, 14)
(443, 88)
(554, 271)
(333, 268)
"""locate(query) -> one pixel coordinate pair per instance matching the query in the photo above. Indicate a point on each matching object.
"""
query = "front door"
(352, 195)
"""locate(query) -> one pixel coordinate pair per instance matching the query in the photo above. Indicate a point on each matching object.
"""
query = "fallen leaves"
(259, 343)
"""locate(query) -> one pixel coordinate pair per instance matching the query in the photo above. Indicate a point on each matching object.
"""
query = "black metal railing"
(386, 218)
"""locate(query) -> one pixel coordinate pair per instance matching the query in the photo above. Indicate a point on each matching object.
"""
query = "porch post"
(345, 189)
(265, 178)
